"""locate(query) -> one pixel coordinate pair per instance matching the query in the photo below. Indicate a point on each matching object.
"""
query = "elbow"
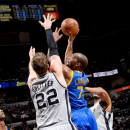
(104, 93)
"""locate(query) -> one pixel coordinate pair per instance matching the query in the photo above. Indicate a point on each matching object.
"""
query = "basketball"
(69, 25)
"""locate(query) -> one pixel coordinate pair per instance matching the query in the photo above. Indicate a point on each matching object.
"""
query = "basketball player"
(76, 81)
(2, 123)
(102, 108)
(48, 89)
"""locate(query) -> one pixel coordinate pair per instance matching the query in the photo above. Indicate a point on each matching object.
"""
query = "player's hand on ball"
(56, 35)
(47, 21)
(72, 37)
(31, 52)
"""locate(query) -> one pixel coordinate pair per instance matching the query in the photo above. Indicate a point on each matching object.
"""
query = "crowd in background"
(15, 68)
(24, 126)
(120, 109)
(20, 112)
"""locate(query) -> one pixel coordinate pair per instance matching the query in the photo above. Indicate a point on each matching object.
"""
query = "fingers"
(50, 16)
(34, 50)
(30, 49)
(56, 29)
(45, 17)
(53, 20)
(59, 30)
(70, 33)
(77, 32)
(40, 22)
(61, 35)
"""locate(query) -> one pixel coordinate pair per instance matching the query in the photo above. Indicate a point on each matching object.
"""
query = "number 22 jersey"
(51, 101)
(76, 88)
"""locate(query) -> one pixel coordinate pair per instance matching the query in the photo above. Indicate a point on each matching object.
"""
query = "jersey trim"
(58, 81)
(70, 78)
(88, 80)
(104, 108)
(69, 116)
(107, 120)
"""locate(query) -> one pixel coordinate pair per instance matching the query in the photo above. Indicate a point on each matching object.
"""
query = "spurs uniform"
(51, 101)
(103, 117)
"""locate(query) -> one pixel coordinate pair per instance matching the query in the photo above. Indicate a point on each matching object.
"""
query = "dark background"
(103, 26)
(104, 31)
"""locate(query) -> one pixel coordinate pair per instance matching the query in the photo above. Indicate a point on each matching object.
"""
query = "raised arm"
(105, 99)
(57, 37)
(32, 74)
(69, 49)
(55, 61)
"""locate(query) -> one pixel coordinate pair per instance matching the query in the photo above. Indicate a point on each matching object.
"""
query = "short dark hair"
(39, 63)
(83, 61)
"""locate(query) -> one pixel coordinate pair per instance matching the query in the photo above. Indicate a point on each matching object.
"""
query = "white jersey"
(51, 103)
(103, 118)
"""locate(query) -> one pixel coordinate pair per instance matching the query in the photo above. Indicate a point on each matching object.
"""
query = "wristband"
(55, 39)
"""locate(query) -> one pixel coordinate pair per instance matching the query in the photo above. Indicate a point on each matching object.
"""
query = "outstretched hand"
(31, 52)
(56, 35)
(47, 21)
(72, 37)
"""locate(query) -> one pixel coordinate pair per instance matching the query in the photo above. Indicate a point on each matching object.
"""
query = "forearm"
(69, 51)
(48, 56)
(52, 45)
(98, 91)
(30, 66)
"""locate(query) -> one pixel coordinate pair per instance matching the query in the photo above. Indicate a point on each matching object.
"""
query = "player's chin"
(67, 64)
(2, 117)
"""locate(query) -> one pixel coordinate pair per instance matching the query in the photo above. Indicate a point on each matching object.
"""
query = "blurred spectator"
(34, 128)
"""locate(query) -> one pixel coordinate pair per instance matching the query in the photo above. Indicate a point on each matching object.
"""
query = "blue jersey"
(9, 128)
(76, 88)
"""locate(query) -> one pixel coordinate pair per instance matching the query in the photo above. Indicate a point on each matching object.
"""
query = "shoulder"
(66, 71)
(94, 106)
(30, 80)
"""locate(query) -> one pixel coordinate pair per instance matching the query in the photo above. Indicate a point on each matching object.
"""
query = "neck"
(2, 125)
(96, 101)
(42, 74)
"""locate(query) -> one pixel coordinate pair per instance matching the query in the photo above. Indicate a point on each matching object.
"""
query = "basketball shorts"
(84, 119)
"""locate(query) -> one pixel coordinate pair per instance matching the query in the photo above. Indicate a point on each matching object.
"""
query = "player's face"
(2, 115)
(71, 61)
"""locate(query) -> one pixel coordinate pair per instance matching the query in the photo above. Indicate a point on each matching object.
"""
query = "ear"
(78, 64)
(48, 66)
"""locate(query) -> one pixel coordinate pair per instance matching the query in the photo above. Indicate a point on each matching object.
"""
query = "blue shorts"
(84, 119)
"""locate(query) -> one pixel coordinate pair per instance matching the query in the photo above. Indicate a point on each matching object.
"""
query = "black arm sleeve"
(52, 45)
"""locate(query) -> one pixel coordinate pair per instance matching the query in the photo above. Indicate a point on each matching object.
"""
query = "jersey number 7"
(81, 90)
